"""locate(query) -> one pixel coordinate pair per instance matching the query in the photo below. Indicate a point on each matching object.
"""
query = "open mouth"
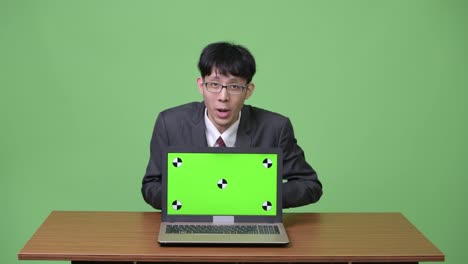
(222, 113)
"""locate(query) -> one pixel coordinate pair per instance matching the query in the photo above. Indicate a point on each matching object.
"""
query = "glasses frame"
(243, 87)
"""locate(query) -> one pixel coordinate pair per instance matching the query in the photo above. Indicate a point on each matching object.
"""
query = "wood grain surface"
(315, 237)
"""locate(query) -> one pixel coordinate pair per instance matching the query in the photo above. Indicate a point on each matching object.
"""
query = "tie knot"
(220, 142)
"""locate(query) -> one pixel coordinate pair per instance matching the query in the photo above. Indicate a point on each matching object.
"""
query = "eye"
(235, 87)
(213, 84)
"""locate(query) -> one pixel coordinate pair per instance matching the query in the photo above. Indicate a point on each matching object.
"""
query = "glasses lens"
(235, 89)
(213, 87)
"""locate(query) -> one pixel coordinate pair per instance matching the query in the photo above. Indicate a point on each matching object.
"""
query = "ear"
(250, 88)
(200, 84)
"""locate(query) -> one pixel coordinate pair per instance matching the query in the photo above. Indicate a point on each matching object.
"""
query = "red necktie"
(220, 142)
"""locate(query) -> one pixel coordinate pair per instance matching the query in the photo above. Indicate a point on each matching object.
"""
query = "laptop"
(222, 196)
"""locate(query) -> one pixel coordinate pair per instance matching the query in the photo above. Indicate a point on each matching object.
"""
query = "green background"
(376, 91)
(194, 184)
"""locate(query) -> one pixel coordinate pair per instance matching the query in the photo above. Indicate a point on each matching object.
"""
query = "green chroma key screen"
(221, 184)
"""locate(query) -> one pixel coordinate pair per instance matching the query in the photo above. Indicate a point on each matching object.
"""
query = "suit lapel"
(243, 132)
(198, 130)
(198, 135)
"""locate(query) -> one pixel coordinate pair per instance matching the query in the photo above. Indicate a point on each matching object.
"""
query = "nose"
(223, 95)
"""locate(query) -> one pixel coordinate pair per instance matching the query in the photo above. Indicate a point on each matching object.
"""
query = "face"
(223, 108)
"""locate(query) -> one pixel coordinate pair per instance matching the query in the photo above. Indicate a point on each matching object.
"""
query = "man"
(222, 119)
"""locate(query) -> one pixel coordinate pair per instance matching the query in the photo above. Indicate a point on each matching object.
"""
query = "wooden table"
(315, 237)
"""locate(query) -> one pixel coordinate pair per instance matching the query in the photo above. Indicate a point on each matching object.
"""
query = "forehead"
(217, 76)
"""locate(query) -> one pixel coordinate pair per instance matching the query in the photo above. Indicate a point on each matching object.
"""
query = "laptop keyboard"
(222, 229)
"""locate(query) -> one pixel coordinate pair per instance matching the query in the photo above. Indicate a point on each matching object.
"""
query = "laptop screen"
(222, 182)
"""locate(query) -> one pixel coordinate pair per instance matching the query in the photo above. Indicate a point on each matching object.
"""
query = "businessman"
(223, 120)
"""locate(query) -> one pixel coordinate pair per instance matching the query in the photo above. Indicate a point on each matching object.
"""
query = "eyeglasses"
(215, 87)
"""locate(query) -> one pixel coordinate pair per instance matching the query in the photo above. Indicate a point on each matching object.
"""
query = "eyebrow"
(230, 80)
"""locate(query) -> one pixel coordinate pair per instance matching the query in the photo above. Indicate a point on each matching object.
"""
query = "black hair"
(227, 58)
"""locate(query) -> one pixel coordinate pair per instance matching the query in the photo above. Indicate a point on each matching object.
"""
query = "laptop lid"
(202, 184)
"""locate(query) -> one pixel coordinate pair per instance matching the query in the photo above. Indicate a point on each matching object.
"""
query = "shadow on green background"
(376, 91)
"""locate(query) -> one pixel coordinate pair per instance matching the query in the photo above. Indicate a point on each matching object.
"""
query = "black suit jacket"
(185, 126)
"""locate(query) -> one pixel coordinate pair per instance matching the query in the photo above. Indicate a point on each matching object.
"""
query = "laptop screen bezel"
(209, 218)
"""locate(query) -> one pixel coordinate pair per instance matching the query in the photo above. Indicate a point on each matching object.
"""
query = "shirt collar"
(212, 134)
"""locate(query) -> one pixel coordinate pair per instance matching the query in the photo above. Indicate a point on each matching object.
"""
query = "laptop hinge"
(223, 219)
